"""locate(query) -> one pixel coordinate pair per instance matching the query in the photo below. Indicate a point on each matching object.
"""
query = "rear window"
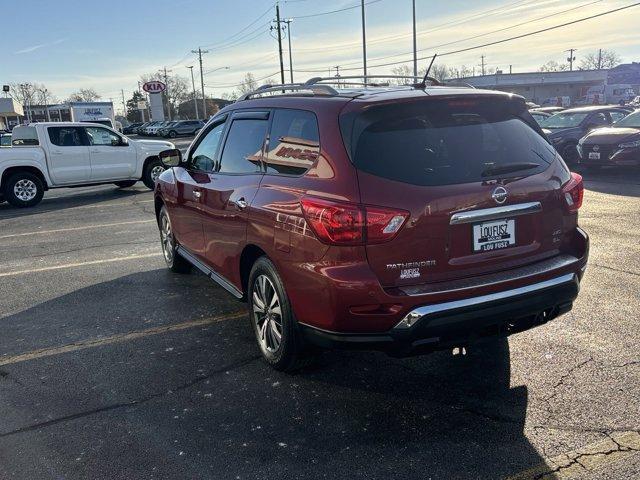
(448, 141)
(66, 136)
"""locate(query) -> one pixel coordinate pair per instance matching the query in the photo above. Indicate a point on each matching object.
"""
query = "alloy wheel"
(156, 172)
(166, 236)
(267, 314)
(25, 190)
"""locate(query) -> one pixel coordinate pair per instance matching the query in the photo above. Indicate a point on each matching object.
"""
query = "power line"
(509, 39)
(462, 40)
(334, 11)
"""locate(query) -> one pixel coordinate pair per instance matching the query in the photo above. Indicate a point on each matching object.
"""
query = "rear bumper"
(457, 323)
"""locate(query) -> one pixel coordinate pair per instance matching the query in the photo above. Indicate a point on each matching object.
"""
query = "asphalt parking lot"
(112, 367)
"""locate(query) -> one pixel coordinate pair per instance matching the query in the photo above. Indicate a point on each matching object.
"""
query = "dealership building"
(538, 86)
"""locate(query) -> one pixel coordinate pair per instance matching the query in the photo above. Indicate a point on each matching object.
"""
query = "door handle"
(197, 194)
(241, 203)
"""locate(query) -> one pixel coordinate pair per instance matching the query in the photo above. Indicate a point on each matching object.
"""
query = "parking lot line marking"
(618, 446)
(74, 229)
(78, 264)
(120, 338)
(100, 205)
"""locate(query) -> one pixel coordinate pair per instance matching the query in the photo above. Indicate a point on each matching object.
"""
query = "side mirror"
(171, 158)
(121, 142)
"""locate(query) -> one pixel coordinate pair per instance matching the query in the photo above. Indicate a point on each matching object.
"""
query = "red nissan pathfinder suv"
(404, 219)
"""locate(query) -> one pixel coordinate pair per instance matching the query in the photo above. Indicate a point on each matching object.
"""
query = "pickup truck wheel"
(174, 261)
(24, 189)
(151, 173)
(125, 184)
(272, 318)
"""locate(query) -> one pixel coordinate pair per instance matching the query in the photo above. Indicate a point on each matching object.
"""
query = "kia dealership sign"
(154, 87)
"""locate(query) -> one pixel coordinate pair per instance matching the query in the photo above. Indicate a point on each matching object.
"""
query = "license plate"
(494, 235)
(594, 155)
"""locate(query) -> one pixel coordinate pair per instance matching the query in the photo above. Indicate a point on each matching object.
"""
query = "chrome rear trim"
(496, 213)
(417, 314)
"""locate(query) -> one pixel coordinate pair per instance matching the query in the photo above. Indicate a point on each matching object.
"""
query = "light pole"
(415, 42)
(288, 22)
(45, 93)
(195, 100)
(364, 43)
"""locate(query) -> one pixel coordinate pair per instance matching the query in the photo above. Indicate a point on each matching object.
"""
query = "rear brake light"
(573, 191)
(340, 223)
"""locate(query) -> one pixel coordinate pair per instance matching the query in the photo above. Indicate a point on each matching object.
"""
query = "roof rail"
(322, 85)
(291, 87)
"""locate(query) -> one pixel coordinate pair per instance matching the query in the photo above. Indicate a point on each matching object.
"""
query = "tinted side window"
(204, 156)
(294, 143)
(599, 118)
(66, 136)
(243, 148)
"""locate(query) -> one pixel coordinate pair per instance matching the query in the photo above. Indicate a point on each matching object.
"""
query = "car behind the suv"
(566, 128)
(404, 219)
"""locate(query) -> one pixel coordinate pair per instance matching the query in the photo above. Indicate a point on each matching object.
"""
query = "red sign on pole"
(154, 86)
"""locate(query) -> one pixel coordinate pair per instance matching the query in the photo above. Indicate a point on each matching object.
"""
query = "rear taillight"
(573, 191)
(341, 223)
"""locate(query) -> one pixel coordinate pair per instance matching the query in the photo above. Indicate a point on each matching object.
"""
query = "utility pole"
(510, 69)
(280, 42)
(482, 64)
(166, 92)
(364, 43)
(337, 67)
(204, 100)
(600, 59)
(195, 100)
(415, 42)
(124, 104)
(571, 58)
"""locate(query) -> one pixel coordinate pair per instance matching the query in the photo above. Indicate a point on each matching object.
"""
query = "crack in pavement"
(619, 270)
(615, 447)
(132, 403)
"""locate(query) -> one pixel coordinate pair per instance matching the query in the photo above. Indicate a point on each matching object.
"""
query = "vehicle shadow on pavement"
(77, 199)
(612, 180)
(198, 403)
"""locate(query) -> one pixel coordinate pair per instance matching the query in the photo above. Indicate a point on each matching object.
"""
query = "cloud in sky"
(33, 48)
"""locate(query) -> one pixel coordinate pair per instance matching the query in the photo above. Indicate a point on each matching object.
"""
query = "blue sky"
(71, 44)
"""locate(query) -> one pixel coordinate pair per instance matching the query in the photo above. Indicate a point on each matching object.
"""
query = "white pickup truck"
(65, 154)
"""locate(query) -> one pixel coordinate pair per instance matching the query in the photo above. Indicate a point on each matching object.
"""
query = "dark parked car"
(183, 127)
(539, 116)
(405, 220)
(139, 129)
(618, 144)
(565, 129)
(130, 129)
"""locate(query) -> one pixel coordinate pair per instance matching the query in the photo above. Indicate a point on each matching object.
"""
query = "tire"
(174, 261)
(570, 154)
(23, 189)
(272, 318)
(152, 170)
(173, 134)
(126, 183)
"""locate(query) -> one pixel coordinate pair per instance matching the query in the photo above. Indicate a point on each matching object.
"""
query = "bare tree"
(553, 66)
(599, 60)
(31, 93)
(248, 84)
(84, 95)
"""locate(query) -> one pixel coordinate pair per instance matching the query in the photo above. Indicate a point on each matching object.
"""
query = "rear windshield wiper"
(510, 168)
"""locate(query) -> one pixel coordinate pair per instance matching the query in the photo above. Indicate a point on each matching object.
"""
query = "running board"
(219, 279)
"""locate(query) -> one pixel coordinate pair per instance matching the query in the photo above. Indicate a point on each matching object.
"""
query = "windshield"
(448, 142)
(630, 121)
(564, 120)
